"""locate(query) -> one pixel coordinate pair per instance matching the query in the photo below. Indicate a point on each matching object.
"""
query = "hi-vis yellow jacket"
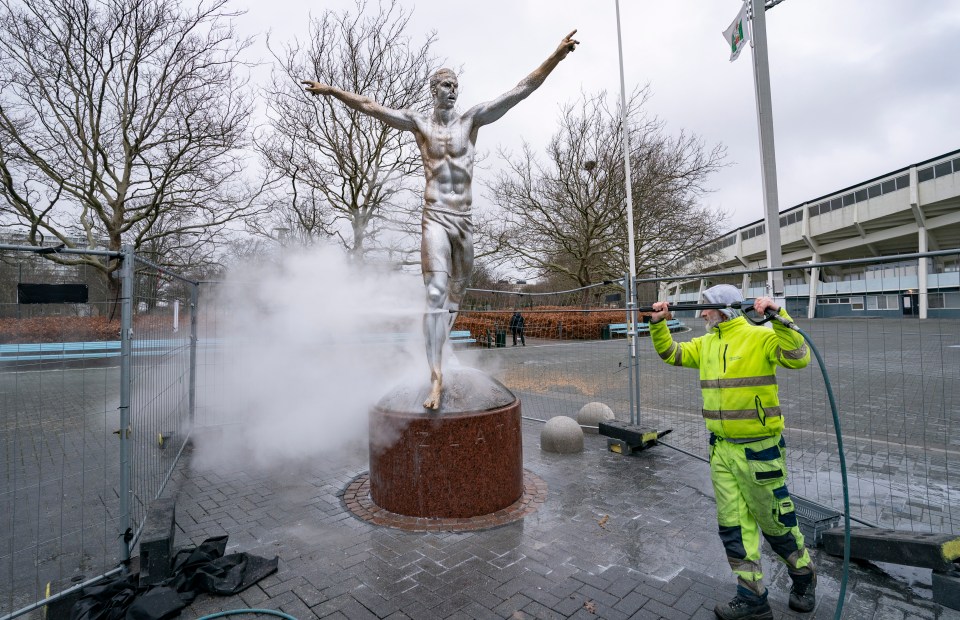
(738, 365)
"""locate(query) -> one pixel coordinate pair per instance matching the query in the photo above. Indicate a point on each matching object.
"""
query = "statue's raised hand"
(316, 88)
(569, 44)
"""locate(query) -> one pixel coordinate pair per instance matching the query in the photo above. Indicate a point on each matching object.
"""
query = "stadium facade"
(910, 210)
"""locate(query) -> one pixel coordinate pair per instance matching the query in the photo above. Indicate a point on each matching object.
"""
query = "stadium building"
(911, 210)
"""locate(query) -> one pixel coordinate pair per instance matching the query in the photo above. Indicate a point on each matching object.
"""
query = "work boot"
(803, 593)
(746, 605)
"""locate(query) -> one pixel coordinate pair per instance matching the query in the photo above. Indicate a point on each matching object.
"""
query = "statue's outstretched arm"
(486, 113)
(399, 119)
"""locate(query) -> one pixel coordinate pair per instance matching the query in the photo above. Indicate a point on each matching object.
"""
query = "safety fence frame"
(895, 380)
(74, 503)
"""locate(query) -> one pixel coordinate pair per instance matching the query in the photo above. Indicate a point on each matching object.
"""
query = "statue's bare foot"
(433, 400)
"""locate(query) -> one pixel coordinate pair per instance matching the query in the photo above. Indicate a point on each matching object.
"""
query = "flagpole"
(768, 160)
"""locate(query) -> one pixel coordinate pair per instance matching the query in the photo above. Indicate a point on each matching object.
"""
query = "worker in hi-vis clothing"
(738, 364)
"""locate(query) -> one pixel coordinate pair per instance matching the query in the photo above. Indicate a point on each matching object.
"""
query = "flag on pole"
(736, 35)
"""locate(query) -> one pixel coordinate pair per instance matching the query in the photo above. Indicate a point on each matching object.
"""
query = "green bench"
(643, 328)
(461, 337)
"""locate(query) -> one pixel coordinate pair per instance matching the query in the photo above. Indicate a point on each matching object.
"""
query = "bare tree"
(172, 242)
(121, 121)
(349, 176)
(566, 219)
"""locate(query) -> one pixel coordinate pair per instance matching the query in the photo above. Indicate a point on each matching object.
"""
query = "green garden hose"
(843, 462)
(237, 612)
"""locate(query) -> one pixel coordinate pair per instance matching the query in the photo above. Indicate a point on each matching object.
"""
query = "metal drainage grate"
(814, 519)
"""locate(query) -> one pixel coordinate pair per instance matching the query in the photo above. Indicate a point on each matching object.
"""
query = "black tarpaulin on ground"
(196, 570)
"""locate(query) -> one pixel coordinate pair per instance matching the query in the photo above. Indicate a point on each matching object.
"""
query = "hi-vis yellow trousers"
(749, 481)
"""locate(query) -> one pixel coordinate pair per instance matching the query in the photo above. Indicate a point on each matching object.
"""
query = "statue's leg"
(458, 245)
(461, 266)
(446, 257)
(435, 263)
(436, 326)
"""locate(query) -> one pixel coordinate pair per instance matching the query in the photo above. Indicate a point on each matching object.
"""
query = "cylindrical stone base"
(446, 464)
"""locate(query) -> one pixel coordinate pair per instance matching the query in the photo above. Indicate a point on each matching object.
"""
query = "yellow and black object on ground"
(624, 438)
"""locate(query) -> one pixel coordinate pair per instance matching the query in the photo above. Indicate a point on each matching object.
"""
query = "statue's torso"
(448, 152)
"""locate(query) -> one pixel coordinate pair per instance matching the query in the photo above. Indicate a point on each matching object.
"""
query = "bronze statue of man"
(447, 144)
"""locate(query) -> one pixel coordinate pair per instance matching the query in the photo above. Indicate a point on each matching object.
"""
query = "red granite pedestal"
(452, 463)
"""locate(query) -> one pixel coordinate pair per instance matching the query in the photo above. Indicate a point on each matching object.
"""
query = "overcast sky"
(860, 87)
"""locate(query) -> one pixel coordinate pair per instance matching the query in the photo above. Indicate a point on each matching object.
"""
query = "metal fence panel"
(213, 365)
(573, 358)
(160, 381)
(60, 397)
(58, 411)
(894, 377)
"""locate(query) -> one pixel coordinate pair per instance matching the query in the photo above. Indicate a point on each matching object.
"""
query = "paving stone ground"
(617, 537)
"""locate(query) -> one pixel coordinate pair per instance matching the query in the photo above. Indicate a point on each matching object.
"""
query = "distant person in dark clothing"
(516, 328)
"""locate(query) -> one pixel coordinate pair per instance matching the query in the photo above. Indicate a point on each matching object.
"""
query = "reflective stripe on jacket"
(738, 365)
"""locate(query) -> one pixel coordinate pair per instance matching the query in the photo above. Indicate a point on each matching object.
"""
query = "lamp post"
(626, 150)
(632, 276)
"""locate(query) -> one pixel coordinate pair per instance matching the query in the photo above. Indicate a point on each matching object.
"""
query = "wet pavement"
(616, 537)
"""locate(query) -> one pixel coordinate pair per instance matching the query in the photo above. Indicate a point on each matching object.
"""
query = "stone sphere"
(561, 435)
(592, 414)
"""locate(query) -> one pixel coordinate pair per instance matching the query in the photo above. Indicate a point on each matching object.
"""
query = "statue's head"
(444, 88)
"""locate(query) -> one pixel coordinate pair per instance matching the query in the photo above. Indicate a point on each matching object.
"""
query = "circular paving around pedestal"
(356, 498)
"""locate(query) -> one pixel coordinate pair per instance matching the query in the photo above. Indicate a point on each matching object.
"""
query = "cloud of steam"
(307, 348)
